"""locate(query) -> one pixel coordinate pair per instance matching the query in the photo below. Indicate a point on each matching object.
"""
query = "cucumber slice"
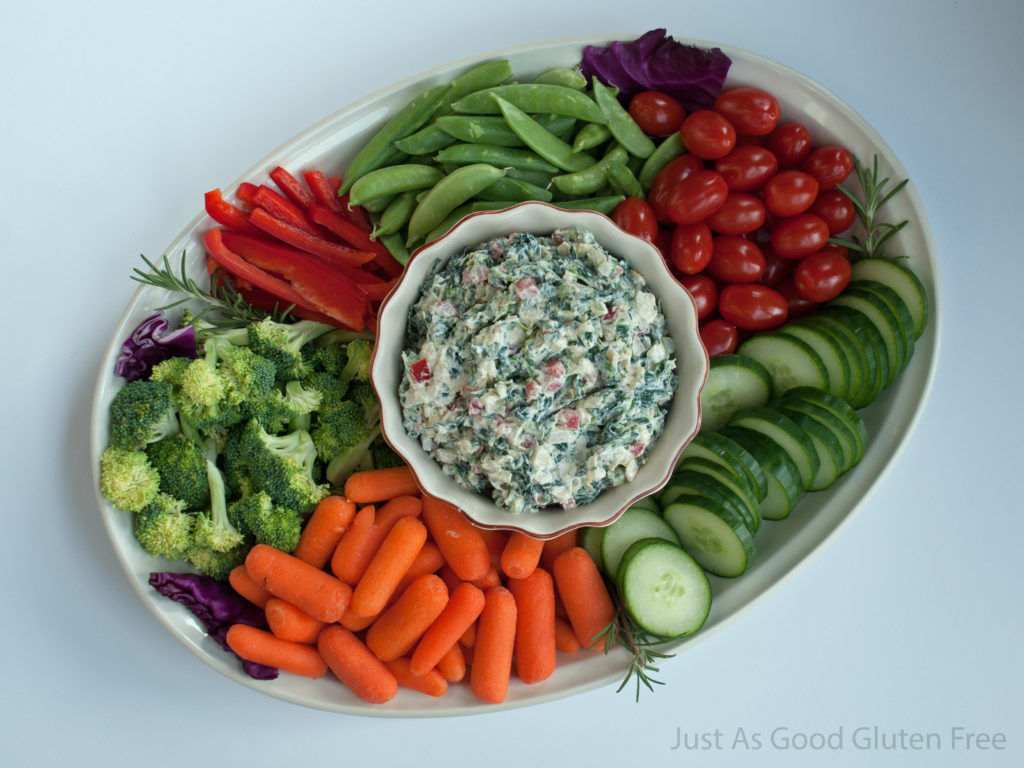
(790, 361)
(590, 539)
(830, 451)
(740, 490)
(849, 347)
(717, 442)
(851, 451)
(690, 481)
(839, 408)
(733, 382)
(832, 356)
(784, 489)
(712, 535)
(632, 525)
(899, 277)
(787, 435)
(885, 322)
(725, 460)
(870, 343)
(665, 591)
(647, 502)
(899, 309)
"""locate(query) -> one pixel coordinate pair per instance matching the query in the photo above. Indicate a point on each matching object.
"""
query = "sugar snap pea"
(410, 118)
(448, 194)
(534, 99)
(396, 246)
(485, 75)
(570, 77)
(622, 126)
(604, 204)
(541, 140)
(590, 135)
(622, 180)
(397, 214)
(670, 148)
(392, 179)
(508, 188)
(503, 157)
(593, 178)
(492, 129)
(449, 221)
(426, 140)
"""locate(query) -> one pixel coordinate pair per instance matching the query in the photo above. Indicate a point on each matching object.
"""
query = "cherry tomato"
(747, 167)
(707, 134)
(752, 112)
(657, 114)
(696, 197)
(704, 292)
(674, 172)
(791, 143)
(788, 193)
(796, 304)
(775, 267)
(736, 260)
(836, 209)
(719, 337)
(636, 216)
(821, 276)
(740, 214)
(752, 307)
(691, 248)
(829, 165)
(842, 250)
(798, 236)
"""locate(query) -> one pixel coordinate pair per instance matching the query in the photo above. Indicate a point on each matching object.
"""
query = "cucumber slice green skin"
(790, 361)
(726, 462)
(901, 279)
(590, 539)
(885, 322)
(789, 437)
(733, 382)
(829, 351)
(840, 408)
(647, 502)
(848, 346)
(689, 481)
(742, 493)
(899, 309)
(830, 451)
(665, 591)
(850, 447)
(716, 442)
(714, 536)
(632, 525)
(871, 344)
(784, 486)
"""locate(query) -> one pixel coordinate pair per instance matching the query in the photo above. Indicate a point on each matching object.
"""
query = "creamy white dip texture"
(538, 370)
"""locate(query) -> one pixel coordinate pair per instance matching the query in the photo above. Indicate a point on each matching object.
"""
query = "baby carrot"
(428, 560)
(452, 665)
(289, 623)
(490, 579)
(430, 682)
(359, 544)
(556, 546)
(375, 485)
(520, 555)
(323, 531)
(468, 638)
(395, 509)
(307, 588)
(496, 541)
(460, 542)
(239, 579)
(565, 639)
(492, 655)
(399, 628)
(261, 647)
(355, 622)
(463, 608)
(353, 664)
(535, 626)
(389, 564)
(584, 595)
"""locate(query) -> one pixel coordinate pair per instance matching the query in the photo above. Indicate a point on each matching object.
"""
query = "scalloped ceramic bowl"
(683, 417)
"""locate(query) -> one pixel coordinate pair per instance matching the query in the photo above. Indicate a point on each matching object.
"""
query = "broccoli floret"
(216, 564)
(127, 478)
(269, 523)
(384, 455)
(248, 377)
(204, 330)
(357, 367)
(170, 370)
(164, 527)
(142, 412)
(213, 528)
(181, 463)
(327, 359)
(339, 426)
(232, 463)
(350, 459)
(283, 466)
(282, 343)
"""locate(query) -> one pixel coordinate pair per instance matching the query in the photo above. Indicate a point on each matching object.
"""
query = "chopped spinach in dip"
(538, 370)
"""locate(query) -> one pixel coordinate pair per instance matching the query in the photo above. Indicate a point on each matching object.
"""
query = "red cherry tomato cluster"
(744, 217)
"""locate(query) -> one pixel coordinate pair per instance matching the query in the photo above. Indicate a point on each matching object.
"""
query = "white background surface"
(115, 120)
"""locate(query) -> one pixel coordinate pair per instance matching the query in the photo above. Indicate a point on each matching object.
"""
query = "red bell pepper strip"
(319, 294)
(357, 238)
(226, 214)
(299, 238)
(280, 207)
(354, 213)
(293, 189)
(323, 193)
(246, 193)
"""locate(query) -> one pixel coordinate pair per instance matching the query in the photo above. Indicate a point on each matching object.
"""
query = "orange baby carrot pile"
(390, 589)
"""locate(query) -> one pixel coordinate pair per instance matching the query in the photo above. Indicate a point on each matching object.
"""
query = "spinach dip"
(538, 369)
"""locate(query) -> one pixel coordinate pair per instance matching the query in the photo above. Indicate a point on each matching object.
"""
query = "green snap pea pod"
(622, 126)
(604, 204)
(448, 194)
(397, 214)
(391, 180)
(534, 99)
(492, 129)
(503, 157)
(593, 178)
(449, 221)
(590, 135)
(541, 140)
(410, 118)
(425, 141)
(486, 75)
(378, 205)
(570, 77)
(396, 247)
(622, 180)
(537, 178)
(668, 150)
(508, 188)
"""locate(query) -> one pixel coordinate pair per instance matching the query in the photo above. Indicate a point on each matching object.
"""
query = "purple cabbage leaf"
(151, 343)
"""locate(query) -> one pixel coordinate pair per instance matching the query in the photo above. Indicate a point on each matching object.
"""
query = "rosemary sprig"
(224, 305)
(621, 630)
(878, 232)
